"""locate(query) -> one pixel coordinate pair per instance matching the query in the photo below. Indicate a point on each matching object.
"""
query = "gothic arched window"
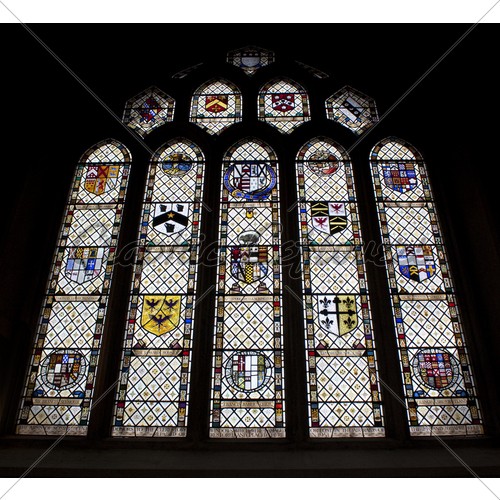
(153, 395)
(439, 389)
(247, 398)
(217, 374)
(343, 390)
(61, 376)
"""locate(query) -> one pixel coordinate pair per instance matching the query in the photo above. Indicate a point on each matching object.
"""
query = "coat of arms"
(216, 103)
(436, 368)
(323, 163)
(83, 263)
(416, 262)
(249, 264)
(176, 164)
(250, 180)
(248, 371)
(149, 110)
(160, 313)
(63, 368)
(170, 218)
(283, 102)
(329, 217)
(101, 178)
(400, 177)
(337, 313)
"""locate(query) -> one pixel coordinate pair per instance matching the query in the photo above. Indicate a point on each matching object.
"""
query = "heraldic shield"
(249, 264)
(216, 103)
(101, 178)
(329, 217)
(337, 313)
(84, 263)
(171, 218)
(400, 177)
(160, 313)
(250, 58)
(283, 102)
(149, 110)
(416, 262)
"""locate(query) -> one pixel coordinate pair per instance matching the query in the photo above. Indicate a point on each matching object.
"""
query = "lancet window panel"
(437, 377)
(283, 104)
(247, 382)
(343, 387)
(58, 394)
(216, 105)
(153, 395)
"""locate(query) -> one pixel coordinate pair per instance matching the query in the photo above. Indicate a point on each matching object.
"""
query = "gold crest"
(160, 313)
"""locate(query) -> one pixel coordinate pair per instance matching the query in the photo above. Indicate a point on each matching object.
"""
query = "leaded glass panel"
(438, 383)
(283, 104)
(247, 385)
(352, 109)
(250, 58)
(216, 105)
(60, 384)
(343, 388)
(148, 110)
(153, 395)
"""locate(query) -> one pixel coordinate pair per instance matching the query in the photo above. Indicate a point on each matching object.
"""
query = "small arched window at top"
(283, 104)
(216, 105)
(148, 110)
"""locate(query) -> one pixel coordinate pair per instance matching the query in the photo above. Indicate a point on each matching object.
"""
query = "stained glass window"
(438, 384)
(216, 105)
(153, 394)
(60, 382)
(148, 110)
(352, 109)
(250, 58)
(247, 385)
(283, 104)
(343, 389)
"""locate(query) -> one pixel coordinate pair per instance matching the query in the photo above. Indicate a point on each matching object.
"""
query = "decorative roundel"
(250, 180)
(436, 368)
(63, 368)
(323, 163)
(248, 371)
(176, 164)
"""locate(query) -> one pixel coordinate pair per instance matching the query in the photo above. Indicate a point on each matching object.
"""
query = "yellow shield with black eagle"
(160, 313)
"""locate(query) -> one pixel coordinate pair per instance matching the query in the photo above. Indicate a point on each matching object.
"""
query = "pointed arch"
(343, 387)
(435, 368)
(153, 395)
(216, 105)
(284, 104)
(247, 384)
(59, 388)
